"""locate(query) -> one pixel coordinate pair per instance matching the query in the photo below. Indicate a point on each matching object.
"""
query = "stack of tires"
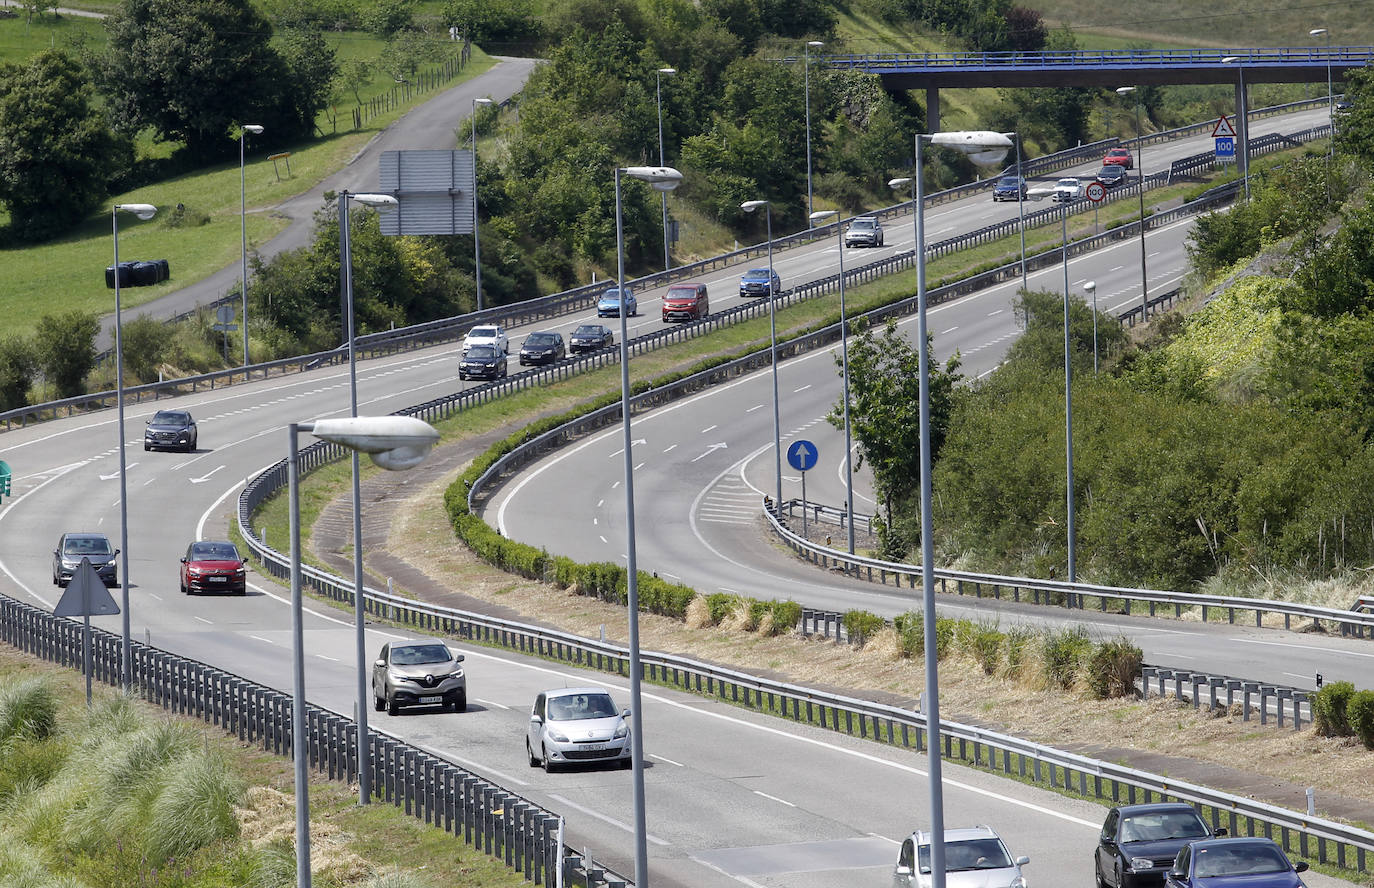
(138, 274)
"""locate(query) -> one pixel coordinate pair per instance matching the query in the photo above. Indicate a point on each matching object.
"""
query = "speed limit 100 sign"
(1095, 191)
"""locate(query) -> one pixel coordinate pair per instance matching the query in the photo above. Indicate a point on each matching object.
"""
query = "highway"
(734, 798)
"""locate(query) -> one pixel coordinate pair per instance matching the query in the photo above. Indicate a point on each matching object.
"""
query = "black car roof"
(1153, 807)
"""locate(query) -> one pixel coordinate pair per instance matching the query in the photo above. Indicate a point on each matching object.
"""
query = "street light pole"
(844, 364)
(1242, 123)
(144, 212)
(1068, 396)
(806, 79)
(476, 233)
(1020, 205)
(1330, 94)
(930, 702)
(359, 600)
(244, 130)
(1140, 173)
(750, 206)
(396, 443)
(662, 179)
(667, 255)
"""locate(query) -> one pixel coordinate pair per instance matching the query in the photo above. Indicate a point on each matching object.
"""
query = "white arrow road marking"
(710, 450)
(632, 444)
(116, 474)
(206, 477)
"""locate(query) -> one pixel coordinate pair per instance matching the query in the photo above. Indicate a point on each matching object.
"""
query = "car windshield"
(171, 417)
(682, 292)
(86, 546)
(482, 351)
(757, 273)
(1238, 860)
(865, 223)
(580, 706)
(214, 552)
(541, 339)
(587, 330)
(973, 854)
(1156, 827)
(612, 295)
(483, 333)
(1069, 183)
(1010, 181)
(418, 654)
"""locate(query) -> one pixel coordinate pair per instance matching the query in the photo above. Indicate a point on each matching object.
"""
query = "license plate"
(592, 747)
(218, 579)
(431, 699)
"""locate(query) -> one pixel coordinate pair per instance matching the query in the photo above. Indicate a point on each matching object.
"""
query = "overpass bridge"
(1106, 68)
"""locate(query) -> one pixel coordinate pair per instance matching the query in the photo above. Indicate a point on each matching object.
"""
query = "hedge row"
(1338, 710)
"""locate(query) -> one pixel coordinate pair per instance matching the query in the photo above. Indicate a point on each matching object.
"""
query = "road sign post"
(802, 455)
(85, 595)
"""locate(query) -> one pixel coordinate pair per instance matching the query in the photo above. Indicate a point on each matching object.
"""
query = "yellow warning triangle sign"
(1223, 128)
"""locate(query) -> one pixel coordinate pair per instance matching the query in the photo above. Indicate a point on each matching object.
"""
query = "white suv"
(974, 858)
(864, 231)
(489, 334)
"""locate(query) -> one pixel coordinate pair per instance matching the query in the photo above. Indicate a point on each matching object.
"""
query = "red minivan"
(686, 302)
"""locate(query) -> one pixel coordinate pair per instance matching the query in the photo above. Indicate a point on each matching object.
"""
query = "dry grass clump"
(698, 613)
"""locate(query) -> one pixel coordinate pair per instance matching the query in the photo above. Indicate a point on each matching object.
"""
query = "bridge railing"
(1094, 58)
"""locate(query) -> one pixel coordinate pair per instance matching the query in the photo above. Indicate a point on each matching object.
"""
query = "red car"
(1120, 157)
(212, 566)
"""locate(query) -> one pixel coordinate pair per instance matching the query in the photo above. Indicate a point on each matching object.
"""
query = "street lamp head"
(1229, 59)
(816, 43)
(483, 102)
(1127, 90)
(142, 211)
(659, 178)
(380, 201)
(1090, 286)
(394, 442)
(982, 146)
(1039, 193)
(899, 182)
(667, 70)
(1316, 32)
(750, 206)
(823, 214)
(254, 128)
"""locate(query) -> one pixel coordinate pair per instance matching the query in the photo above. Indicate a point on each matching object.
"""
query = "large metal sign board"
(434, 188)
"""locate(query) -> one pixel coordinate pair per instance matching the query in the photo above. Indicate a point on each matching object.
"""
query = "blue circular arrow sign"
(802, 455)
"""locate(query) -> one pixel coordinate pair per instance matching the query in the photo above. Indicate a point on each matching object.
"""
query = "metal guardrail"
(486, 816)
(1335, 843)
(1071, 595)
(446, 330)
(1096, 58)
(1297, 700)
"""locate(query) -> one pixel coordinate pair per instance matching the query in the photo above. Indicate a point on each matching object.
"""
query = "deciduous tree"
(66, 349)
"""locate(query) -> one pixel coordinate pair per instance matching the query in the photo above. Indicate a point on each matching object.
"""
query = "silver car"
(576, 725)
(974, 858)
(418, 673)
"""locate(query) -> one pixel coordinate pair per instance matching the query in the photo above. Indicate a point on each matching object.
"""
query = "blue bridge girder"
(1104, 68)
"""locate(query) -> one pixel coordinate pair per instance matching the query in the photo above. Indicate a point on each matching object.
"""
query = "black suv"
(171, 430)
(72, 547)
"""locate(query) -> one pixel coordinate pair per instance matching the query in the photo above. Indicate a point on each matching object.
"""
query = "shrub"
(861, 625)
(719, 605)
(1016, 644)
(911, 639)
(786, 616)
(1360, 711)
(28, 710)
(1330, 709)
(1112, 668)
(1064, 652)
(984, 643)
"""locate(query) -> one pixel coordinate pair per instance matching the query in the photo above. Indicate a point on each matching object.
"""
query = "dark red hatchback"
(212, 566)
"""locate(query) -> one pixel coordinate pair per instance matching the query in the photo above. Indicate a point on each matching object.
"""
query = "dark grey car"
(171, 430)
(482, 362)
(1138, 843)
(418, 673)
(590, 338)
(72, 547)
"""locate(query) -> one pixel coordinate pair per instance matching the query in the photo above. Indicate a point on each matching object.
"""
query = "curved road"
(433, 124)
(734, 798)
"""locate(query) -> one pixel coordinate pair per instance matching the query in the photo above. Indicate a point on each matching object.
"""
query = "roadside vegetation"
(120, 794)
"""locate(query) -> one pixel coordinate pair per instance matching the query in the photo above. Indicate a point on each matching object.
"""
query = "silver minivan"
(576, 726)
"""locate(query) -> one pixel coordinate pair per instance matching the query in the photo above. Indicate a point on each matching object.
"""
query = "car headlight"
(622, 731)
(1142, 863)
(557, 736)
(194, 571)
